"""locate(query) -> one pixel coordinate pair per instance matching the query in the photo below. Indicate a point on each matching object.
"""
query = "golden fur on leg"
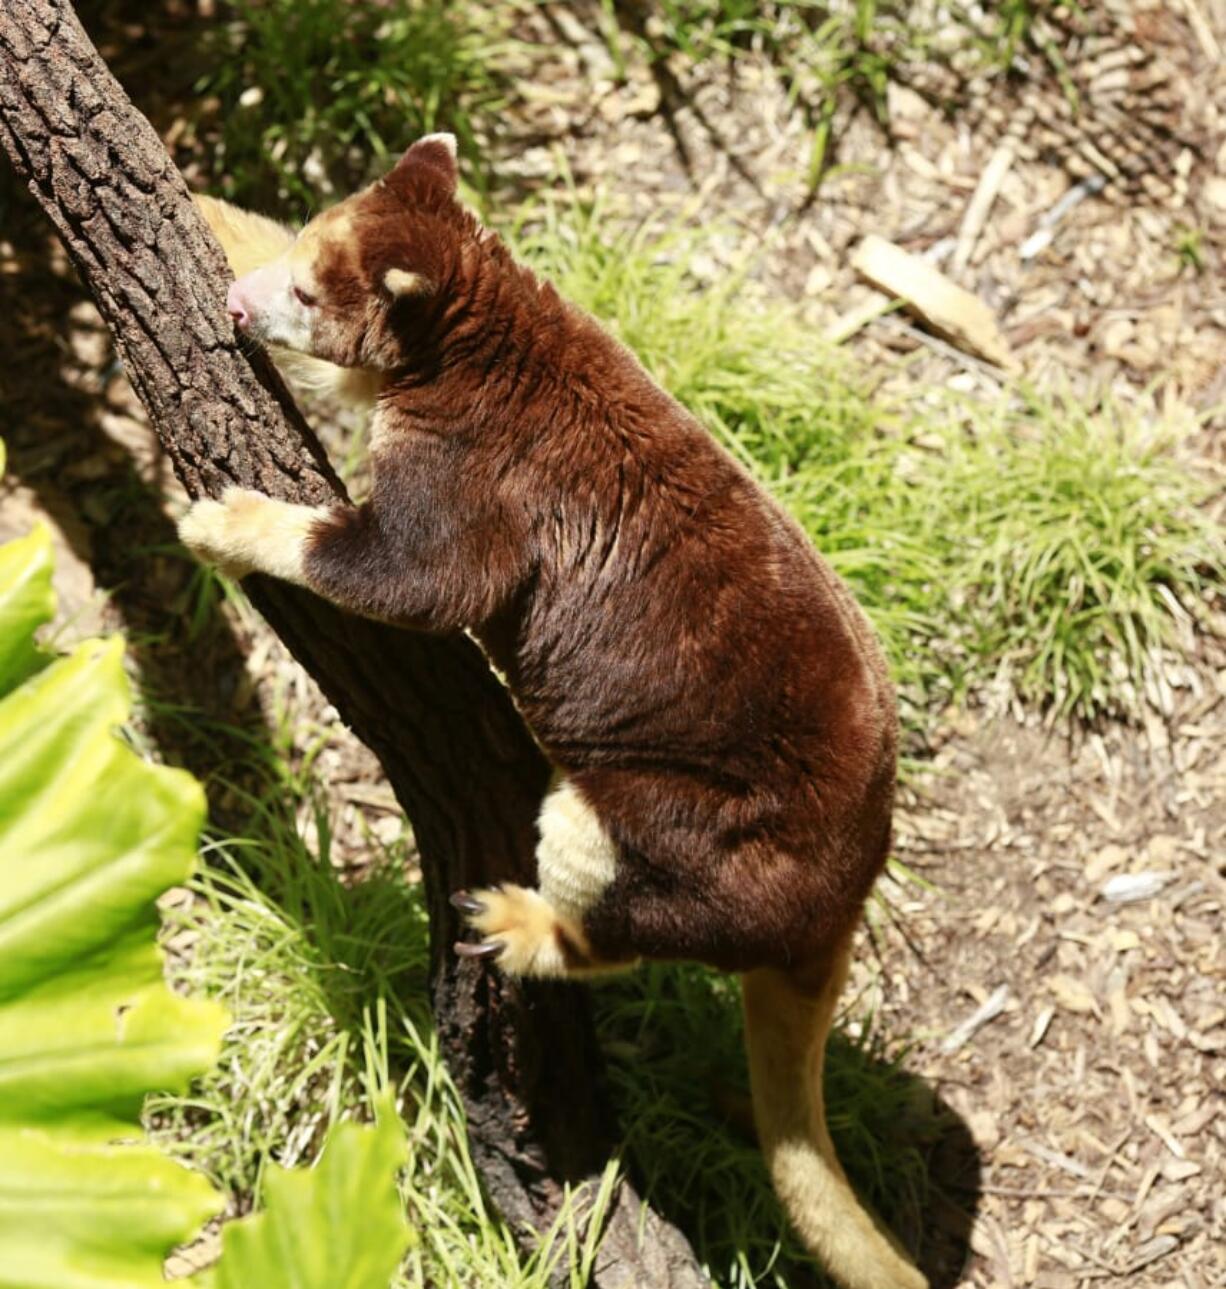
(540, 933)
(247, 532)
(786, 1030)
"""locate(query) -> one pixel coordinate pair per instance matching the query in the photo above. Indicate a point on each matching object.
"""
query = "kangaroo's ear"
(433, 155)
(401, 282)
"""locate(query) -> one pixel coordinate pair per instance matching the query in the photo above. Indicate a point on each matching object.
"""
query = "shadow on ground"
(674, 1040)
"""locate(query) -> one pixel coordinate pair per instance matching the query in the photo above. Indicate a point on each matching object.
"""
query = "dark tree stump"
(459, 758)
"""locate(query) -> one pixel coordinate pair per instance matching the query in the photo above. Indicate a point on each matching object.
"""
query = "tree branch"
(455, 751)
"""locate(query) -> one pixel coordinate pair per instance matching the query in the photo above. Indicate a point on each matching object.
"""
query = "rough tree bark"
(462, 764)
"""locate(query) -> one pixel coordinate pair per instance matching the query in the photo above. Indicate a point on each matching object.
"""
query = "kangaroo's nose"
(237, 308)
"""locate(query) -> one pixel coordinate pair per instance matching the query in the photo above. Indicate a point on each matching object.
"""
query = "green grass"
(313, 98)
(1190, 247)
(1033, 548)
(1080, 555)
(326, 982)
(862, 42)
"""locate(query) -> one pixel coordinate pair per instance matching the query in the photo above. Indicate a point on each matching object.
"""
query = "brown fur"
(692, 665)
(671, 636)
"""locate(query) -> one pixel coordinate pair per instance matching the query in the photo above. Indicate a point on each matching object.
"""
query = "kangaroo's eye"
(303, 297)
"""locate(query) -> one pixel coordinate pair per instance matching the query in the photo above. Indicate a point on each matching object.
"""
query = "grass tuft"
(1083, 555)
(300, 961)
(304, 100)
(326, 982)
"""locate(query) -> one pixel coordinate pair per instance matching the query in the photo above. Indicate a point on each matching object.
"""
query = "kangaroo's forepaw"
(523, 932)
(226, 533)
(247, 532)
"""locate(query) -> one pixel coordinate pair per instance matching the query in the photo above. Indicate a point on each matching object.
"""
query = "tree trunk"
(460, 760)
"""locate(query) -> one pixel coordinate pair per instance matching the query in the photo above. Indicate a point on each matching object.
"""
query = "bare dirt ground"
(1095, 1096)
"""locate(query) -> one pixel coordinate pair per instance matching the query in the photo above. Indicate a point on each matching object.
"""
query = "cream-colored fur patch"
(349, 386)
(334, 226)
(575, 858)
(247, 532)
(249, 240)
(402, 282)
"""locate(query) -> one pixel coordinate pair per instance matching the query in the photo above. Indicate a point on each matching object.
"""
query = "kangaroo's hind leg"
(540, 932)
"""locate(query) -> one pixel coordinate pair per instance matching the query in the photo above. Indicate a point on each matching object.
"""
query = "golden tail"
(786, 1029)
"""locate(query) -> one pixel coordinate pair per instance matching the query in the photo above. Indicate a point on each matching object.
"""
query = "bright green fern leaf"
(26, 601)
(90, 836)
(339, 1225)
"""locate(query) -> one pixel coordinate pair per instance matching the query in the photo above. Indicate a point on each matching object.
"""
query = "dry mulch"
(1108, 302)
(1095, 1097)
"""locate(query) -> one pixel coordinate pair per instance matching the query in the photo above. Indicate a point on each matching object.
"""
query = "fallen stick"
(992, 1007)
(1041, 238)
(878, 304)
(980, 204)
(1129, 888)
